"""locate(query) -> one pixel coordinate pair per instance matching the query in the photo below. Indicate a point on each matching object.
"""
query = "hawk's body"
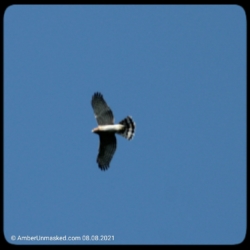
(106, 130)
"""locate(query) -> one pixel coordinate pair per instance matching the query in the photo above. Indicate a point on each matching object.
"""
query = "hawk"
(106, 130)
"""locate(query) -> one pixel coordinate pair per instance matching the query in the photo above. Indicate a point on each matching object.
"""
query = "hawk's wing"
(103, 113)
(107, 149)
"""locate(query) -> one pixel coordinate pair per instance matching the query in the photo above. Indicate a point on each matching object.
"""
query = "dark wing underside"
(103, 113)
(107, 149)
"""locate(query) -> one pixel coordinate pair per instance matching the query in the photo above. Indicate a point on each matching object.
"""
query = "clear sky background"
(179, 71)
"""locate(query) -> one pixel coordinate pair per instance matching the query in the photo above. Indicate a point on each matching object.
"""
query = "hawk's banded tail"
(129, 128)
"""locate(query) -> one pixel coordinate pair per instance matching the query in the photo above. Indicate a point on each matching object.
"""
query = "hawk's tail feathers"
(129, 128)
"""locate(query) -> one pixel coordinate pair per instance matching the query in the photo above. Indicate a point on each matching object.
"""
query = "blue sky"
(179, 71)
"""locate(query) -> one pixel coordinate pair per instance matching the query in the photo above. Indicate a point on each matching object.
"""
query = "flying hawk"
(106, 130)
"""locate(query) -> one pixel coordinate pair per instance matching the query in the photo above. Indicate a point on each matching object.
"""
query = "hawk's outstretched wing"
(107, 149)
(103, 113)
